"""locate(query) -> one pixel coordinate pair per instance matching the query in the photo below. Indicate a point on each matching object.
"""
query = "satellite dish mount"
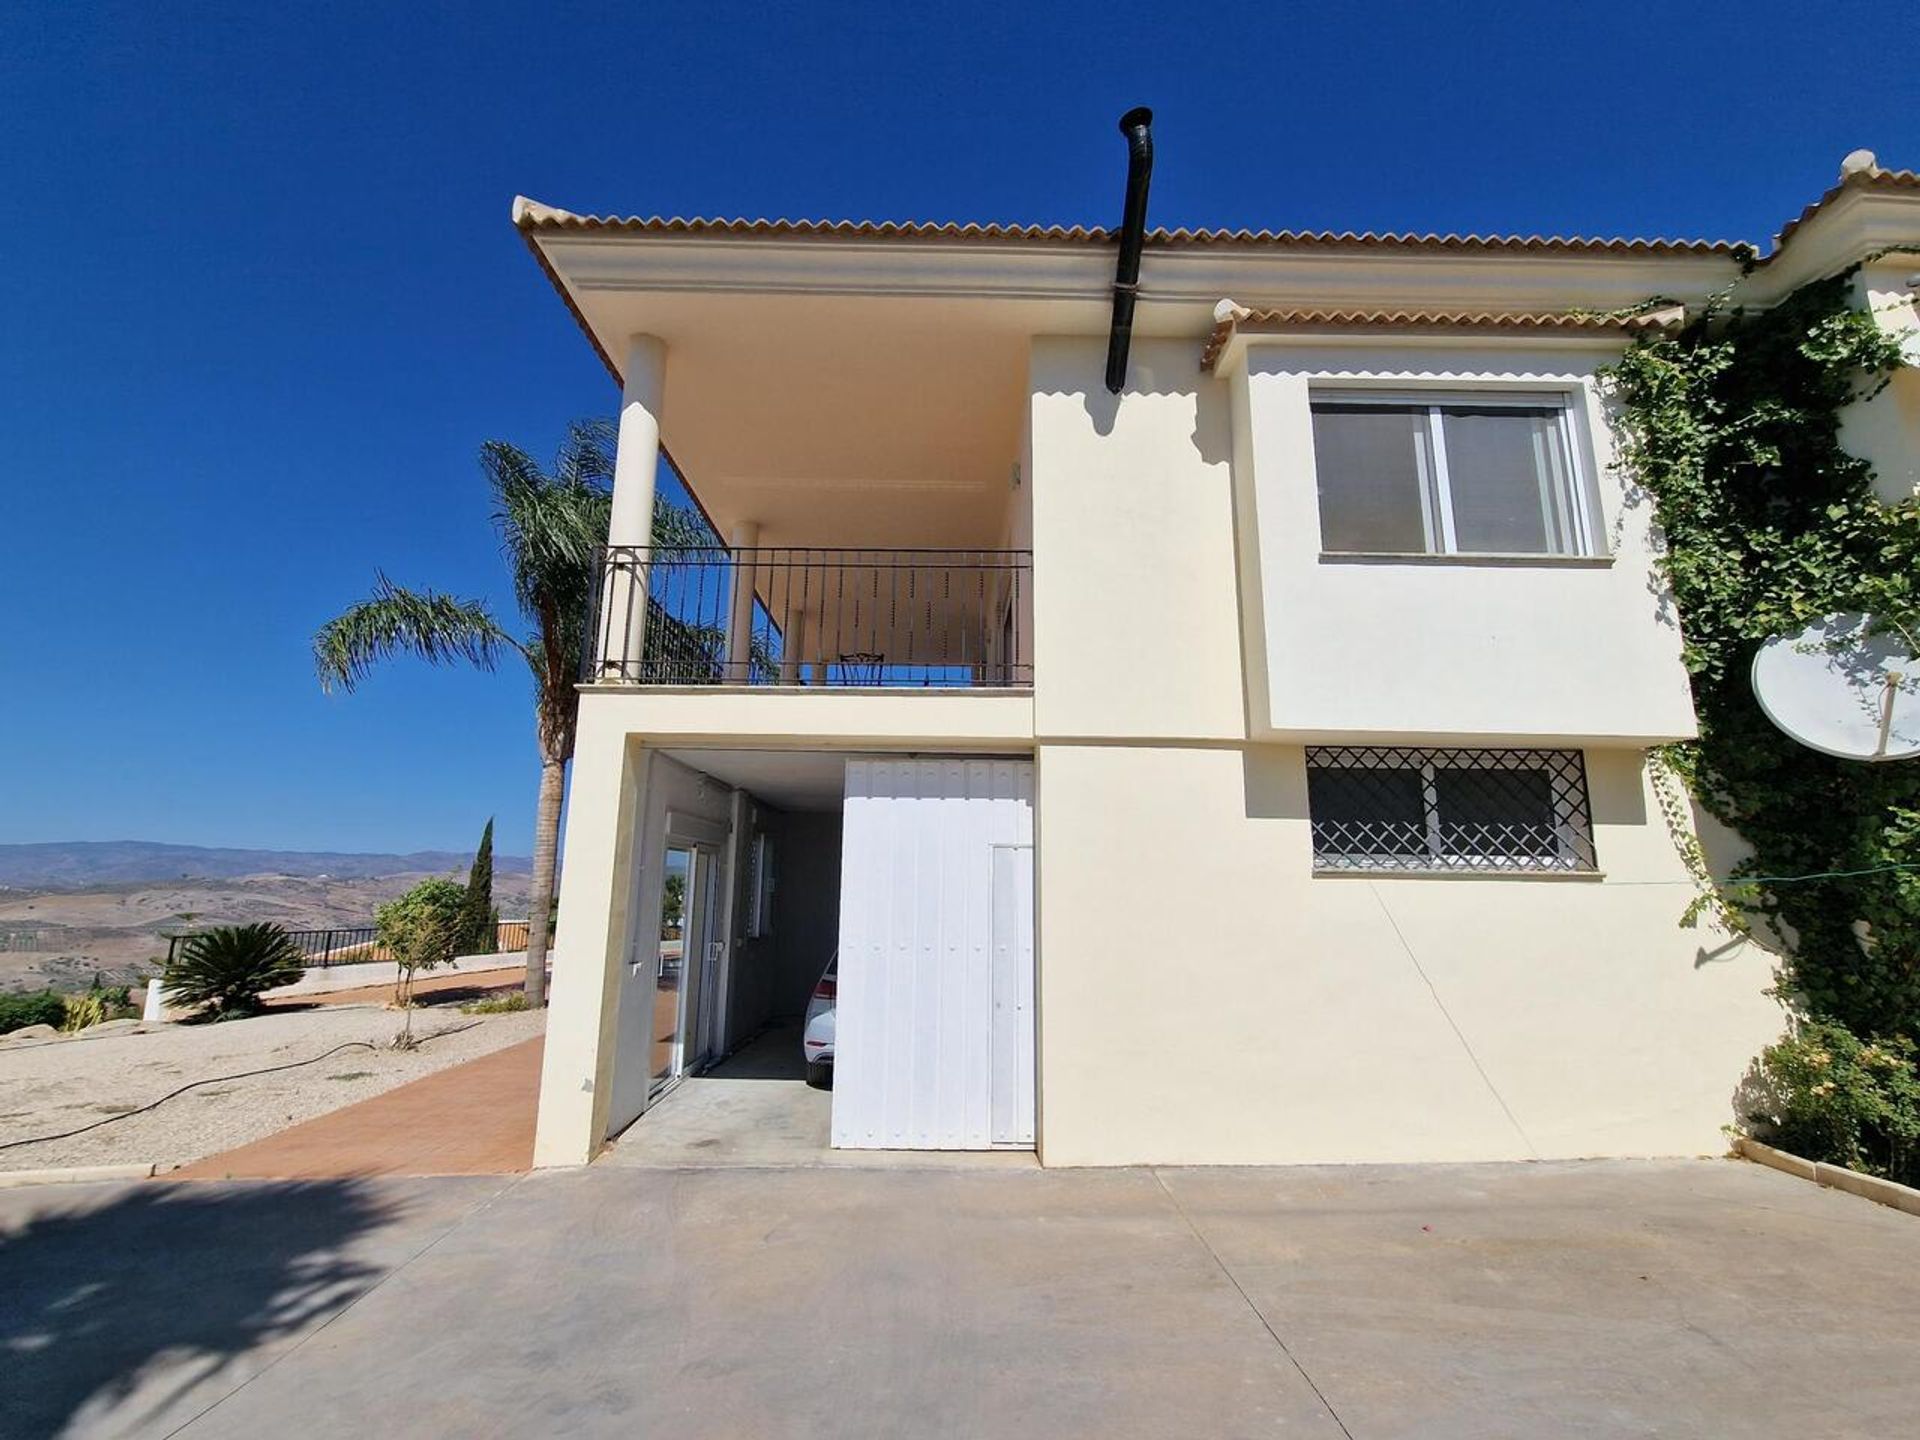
(1844, 686)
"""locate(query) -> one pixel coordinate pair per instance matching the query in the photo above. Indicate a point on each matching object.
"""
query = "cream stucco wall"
(1136, 614)
(1536, 647)
(1205, 999)
(590, 942)
(1884, 429)
(811, 718)
(1202, 996)
(621, 790)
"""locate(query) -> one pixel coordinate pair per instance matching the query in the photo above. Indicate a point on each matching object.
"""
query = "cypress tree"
(477, 914)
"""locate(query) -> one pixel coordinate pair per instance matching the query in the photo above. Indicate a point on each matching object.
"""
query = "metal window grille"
(1390, 809)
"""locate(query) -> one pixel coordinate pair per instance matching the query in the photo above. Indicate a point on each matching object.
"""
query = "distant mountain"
(80, 863)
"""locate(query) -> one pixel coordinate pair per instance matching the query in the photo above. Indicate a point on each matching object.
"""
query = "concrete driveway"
(1706, 1298)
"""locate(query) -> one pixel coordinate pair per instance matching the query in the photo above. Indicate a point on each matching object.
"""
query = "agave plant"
(224, 971)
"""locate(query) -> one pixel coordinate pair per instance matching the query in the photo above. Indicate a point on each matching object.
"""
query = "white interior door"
(935, 1025)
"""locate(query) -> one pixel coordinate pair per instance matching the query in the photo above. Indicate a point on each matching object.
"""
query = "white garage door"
(933, 1047)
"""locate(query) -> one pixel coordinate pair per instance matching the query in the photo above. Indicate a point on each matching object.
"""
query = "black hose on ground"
(218, 1079)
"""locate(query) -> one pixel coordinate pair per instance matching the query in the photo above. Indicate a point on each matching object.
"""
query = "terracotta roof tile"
(1584, 320)
(534, 220)
(1873, 178)
(532, 217)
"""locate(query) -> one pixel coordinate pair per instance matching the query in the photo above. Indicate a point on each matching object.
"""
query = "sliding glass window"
(1481, 475)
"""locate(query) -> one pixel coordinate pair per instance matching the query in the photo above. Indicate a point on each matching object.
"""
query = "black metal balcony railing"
(788, 616)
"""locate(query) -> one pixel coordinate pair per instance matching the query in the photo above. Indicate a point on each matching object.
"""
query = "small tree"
(423, 930)
(673, 902)
(479, 935)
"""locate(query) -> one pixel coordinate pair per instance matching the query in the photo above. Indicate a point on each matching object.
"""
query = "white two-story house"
(1250, 766)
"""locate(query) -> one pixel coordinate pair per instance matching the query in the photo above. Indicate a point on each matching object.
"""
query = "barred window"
(1381, 808)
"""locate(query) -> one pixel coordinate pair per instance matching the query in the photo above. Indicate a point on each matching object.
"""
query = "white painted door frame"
(701, 929)
(1013, 1035)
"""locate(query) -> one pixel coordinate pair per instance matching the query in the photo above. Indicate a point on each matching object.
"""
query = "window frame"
(1584, 527)
(760, 897)
(1574, 850)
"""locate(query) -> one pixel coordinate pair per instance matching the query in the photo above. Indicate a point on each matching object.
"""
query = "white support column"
(635, 463)
(740, 610)
(589, 958)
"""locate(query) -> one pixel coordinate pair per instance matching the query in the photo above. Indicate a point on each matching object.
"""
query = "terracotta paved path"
(474, 1118)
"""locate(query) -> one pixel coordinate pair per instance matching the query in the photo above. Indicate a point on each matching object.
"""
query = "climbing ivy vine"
(1731, 428)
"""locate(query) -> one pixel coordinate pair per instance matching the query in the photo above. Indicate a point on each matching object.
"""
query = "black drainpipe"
(1137, 126)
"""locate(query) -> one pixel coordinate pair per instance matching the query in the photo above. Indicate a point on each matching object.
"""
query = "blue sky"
(261, 299)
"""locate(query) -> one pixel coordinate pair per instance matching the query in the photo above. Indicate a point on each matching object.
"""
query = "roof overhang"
(1237, 325)
(1871, 217)
(850, 375)
(1062, 278)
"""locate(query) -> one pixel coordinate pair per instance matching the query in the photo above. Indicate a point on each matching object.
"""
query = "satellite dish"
(1843, 688)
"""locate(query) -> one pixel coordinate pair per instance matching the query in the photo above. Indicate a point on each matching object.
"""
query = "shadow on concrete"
(773, 1054)
(112, 1311)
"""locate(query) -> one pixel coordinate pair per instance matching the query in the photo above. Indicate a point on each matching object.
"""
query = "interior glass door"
(708, 950)
(677, 897)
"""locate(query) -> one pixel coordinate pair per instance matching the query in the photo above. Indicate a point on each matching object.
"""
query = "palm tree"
(550, 527)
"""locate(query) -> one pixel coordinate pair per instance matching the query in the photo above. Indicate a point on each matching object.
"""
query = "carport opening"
(748, 923)
(739, 896)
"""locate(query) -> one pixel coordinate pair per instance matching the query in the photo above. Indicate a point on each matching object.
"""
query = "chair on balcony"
(861, 667)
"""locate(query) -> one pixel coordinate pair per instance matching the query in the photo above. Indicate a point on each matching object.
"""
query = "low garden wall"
(324, 979)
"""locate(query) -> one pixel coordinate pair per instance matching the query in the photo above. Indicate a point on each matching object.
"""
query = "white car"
(816, 1037)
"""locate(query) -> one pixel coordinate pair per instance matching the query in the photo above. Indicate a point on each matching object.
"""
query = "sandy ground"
(52, 1086)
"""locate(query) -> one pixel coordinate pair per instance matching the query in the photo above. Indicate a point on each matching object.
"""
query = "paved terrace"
(1705, 1298)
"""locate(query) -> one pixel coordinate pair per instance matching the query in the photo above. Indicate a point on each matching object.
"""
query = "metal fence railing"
(360, 944)
(791, 616)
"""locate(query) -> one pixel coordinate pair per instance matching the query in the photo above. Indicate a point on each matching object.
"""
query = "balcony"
(792, 617)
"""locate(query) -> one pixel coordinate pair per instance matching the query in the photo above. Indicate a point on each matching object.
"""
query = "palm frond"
(678, 529)
(550, 527)
(439, 629)
(587, 452)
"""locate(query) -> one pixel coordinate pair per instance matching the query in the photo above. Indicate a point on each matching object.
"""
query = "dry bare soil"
(51, 1086)
(119, 931)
